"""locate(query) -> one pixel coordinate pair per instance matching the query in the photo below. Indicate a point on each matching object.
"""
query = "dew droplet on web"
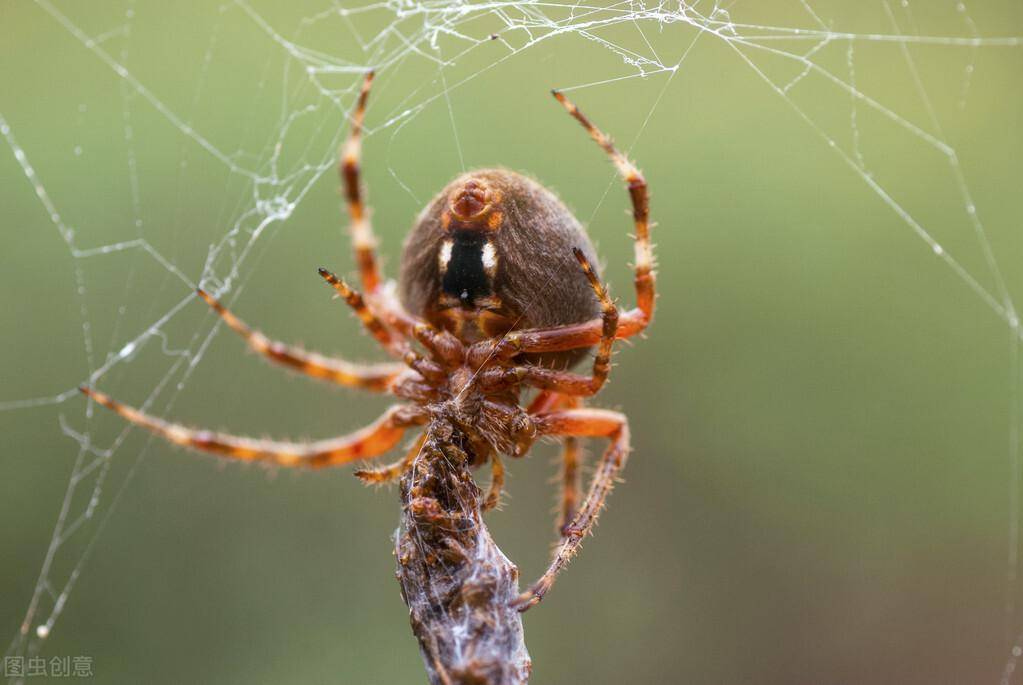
(42, 631)
(127, 350)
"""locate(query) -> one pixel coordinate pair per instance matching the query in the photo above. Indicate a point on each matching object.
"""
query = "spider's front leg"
(364, 242)
(395, 324)
(581, 423)
(369, 442)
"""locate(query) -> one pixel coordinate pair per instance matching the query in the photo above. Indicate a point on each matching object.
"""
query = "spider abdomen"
(492, 252)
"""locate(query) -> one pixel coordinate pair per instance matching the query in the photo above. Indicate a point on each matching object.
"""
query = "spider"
(474, 272)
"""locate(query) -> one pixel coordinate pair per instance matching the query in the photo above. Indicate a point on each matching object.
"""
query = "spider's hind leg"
(570, 480)
(578, 423)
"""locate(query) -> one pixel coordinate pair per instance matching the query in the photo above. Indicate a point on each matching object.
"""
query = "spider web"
(132, 300)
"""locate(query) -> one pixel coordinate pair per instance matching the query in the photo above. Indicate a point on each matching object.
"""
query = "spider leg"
(363, 241)
(640, 197)
(571, 482)
(367, 376)
(367, 316)
(545, 402)
(430, 370)
(632, 321)
(369, 442)
(388, 473)
(566, 382)
(571, 461)
(443, 345)
(571, 455)
(578, 423)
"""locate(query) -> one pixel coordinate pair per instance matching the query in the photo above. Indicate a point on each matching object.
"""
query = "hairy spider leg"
(571, 463)
(369, 442)
(398, 321)
(638, 194)
(571, 482)
(566, 382)
(376, 377)
(579, 423)
(630, 322)
(569, 479)
(428, 369)
(363, 241)
(367, 316)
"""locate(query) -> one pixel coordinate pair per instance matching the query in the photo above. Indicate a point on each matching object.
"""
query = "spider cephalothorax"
(499, 295)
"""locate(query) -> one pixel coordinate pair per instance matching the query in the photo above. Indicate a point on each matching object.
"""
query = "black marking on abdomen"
(465, 277)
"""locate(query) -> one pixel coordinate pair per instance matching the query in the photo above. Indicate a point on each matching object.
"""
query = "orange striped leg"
(363, 241)
(369, 319)
(386, 474)
(571, 480)
(638, 194)
(545, 402)
(367, 376)
(571, 455)
(557, 339)
(369, 442)
(631, 322)
(571, 483)
(581, 422)
(428, 369)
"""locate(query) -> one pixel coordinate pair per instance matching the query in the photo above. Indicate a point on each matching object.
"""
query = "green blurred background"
(823, 413)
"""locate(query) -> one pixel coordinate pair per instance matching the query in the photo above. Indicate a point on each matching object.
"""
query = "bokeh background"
(825, 412)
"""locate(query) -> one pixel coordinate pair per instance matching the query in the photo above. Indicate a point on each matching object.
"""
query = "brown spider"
(470, 271)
